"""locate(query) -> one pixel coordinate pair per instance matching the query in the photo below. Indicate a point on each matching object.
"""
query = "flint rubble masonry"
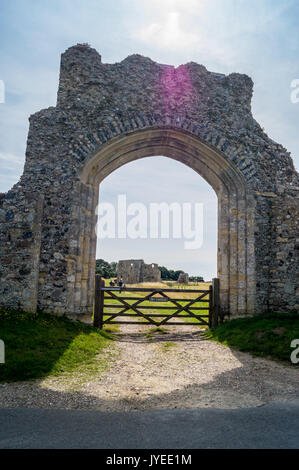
(134, 271)
(110, 114)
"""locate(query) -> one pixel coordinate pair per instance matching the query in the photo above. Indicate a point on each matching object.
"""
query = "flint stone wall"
(204, 119)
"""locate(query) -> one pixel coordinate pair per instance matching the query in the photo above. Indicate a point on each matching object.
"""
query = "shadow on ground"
(37, 344)
(253, 383)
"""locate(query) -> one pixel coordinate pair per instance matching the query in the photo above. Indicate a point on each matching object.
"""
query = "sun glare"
(169, 24)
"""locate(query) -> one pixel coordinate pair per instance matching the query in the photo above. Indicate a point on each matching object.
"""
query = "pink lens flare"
(177, 88)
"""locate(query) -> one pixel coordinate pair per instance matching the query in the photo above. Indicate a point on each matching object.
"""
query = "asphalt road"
(272, 426)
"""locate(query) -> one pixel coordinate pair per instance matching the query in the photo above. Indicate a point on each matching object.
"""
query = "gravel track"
(180, 369)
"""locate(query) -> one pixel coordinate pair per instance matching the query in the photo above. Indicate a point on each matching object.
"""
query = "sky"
(256, 37)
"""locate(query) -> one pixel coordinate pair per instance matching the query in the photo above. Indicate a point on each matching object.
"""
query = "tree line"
(108, 270)
(171, 275)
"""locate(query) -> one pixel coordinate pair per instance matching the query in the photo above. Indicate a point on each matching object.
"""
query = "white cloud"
(169, 24)
(168, 34)
(9, 161)
(11, 168)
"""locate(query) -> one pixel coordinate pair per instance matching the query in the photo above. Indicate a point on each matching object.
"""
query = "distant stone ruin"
(183, 278)
(134, 271)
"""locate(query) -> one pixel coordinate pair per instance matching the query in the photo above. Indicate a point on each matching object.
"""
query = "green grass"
(155, 330)
(167, 346)
(267, 335)
(39, 345)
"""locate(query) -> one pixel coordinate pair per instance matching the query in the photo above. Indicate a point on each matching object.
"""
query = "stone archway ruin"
(111, 114)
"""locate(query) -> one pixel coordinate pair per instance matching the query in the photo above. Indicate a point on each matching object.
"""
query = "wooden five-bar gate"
(120, 305)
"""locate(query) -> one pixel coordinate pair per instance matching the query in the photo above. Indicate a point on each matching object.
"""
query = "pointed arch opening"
(235, 257)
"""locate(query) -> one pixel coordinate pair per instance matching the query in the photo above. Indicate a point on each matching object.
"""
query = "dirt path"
(179, 369)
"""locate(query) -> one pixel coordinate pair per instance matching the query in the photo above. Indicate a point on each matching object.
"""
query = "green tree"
(106, 269)
(169, 275)
(164, 273)
(196, 279)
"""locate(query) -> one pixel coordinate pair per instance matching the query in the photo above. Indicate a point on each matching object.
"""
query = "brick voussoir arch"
(84, 147)
(121, 126)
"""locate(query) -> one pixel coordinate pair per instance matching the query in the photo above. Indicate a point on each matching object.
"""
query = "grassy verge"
(40, 345)
(268, 335)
